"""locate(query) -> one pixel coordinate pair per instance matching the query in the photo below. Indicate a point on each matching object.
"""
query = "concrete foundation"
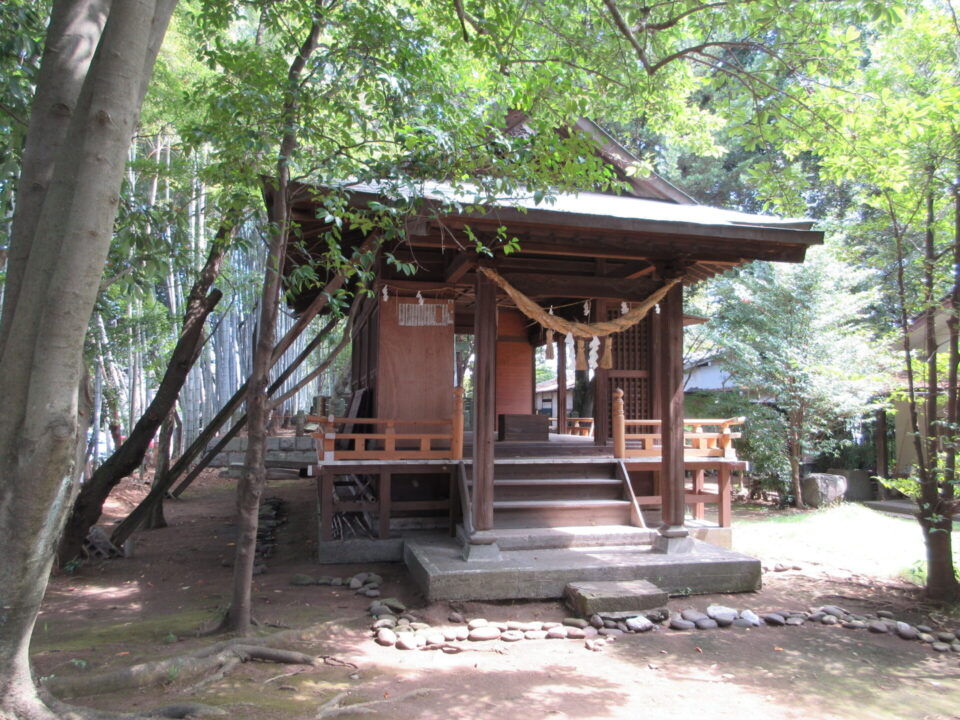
(437, 565)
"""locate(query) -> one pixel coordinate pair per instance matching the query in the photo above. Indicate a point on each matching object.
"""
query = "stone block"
(820, 489)
(673, 545)
(587, 598)
(220, 460)
(287, 443)
(273, 443)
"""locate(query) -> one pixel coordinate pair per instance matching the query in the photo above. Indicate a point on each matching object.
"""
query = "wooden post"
(619, 426)
(699, 509)
(561, 409)
(601, 388)
(670, 374)
(326, 506)
(383, 495)
(456, 425)
(484, 403)
(723, 487)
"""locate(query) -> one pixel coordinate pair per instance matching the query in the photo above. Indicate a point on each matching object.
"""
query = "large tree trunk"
(41, 361)
(128, 456)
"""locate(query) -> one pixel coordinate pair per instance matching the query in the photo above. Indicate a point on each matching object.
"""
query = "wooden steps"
(527, 495)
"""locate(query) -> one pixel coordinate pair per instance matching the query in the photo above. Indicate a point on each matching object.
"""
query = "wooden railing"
(575, 426)
(698, 440)
(339, 442)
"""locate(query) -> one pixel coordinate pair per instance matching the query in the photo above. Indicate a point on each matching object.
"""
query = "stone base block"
(587, 598)
(488, 552)
(673, 545)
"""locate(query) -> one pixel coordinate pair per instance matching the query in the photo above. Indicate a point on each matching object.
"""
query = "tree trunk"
(155, 519)
(41, 363)
(128, 456)
(796, 455)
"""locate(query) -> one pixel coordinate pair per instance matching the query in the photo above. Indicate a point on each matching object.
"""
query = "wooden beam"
(462, 263)
(561, 409)
(670, 381)
(632, 271)
(596, 288)
(484, 402)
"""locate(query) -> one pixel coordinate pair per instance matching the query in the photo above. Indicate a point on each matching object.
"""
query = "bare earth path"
(153, 605)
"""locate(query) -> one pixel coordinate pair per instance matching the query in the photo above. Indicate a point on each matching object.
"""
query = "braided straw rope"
(581, 330)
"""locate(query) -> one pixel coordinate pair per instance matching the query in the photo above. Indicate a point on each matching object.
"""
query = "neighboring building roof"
(552, 385)
(918, 327)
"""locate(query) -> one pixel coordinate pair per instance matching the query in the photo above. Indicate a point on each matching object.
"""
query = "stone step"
(558, 513)
(586, 598)
(585, 488)
(569, 536)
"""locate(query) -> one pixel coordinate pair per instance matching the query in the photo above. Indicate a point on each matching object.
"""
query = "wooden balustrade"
(340, 442)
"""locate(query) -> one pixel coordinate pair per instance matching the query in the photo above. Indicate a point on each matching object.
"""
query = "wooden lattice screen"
(631, 366)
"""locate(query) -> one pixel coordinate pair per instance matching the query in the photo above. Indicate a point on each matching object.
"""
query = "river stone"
(947, 637)
(549, 625)
(622, 627)
(817, 617)
(532, 626)
(955, 646)
(924, 629)
(751, 617)
(796, 621)
(610, 632)
(557, 633)
(594, 645)
(575, 633)
(462, 633)
(501, 626)
(855, 625)
(484, 632)
(336, 582)
(722, 614)
(678, 623)
(692, 615)
(421, 639)
(876, 626)
(300, 579)
(609, 623)
(885, 614)
(535, 634)
(516, 625)
(511, 635)
(575, 622)
(455, 618)
(435, 638)
(742, 623)
(774, 619)
(590, 632)
(371, 593)
(406, 641)
(449, 634)
(707, 624)
(834, 610)
(639, 624)
(907, 631)
(404, 622)
(941, 646)
(393, 604)
(926, 637)
(827, 620)
(477, 623)
(420, 625)
(355, 583)
(386, 637)
(596, 621)
(385, 622)
(324, 580)
(374, 578)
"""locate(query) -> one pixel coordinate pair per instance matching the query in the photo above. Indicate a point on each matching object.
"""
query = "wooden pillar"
(670, 380)
(723, 487)
(456, 425)
(619, 426)
(561, 409)
(484, 402)
(601, 387)
(883, 464)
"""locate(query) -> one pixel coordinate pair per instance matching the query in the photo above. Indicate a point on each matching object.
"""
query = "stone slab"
(436, 564)
(359, 550)
(587, 598)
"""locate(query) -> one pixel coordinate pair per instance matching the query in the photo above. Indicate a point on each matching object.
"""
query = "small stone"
(435, 638)
(420, 639)
(477, 623)
(336, 582)
(575, 633)
(535, 634)
(596, 621)
(371, 593)
(743, 623)
(924, 629)
(592, 644)
(657, 615)
(449, 635)
(404, 622)
(834, 610)
(855, 625)
(780, 567)
(906, 631)
(394, 604)
(516, 625)
(484, 632)
(827, 620)
(707, 624)
(549, 625)
(795, 621)
(947, 637)
(355, 583)
(610, 632)
(885, 614)
(941, 646)
(774, 619)
(955, 646)
(557, 633)
(926, 638)
(462, 633)
(876, 626)
(324, 580)
(639, 624)
(511, 635)
(385, 622)
(575, 622)
(678, 623)
(420, 625)
(590, 632)
(752, 617)
(532, 626)
(300, 579)
(456, 618)
(714, 610)
(622, 626)
(374, 578)
(386, 636)
(692, 615)
(501, 626)
(406, 641)
(409, 616)
(817, 617)
(608, 623)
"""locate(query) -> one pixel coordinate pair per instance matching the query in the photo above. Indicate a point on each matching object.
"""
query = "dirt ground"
(158, 602)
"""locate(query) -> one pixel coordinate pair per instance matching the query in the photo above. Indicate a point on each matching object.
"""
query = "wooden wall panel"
(515, 357)
(415, 360)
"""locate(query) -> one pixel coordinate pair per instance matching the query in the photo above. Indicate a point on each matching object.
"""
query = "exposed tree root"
(333, 708)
